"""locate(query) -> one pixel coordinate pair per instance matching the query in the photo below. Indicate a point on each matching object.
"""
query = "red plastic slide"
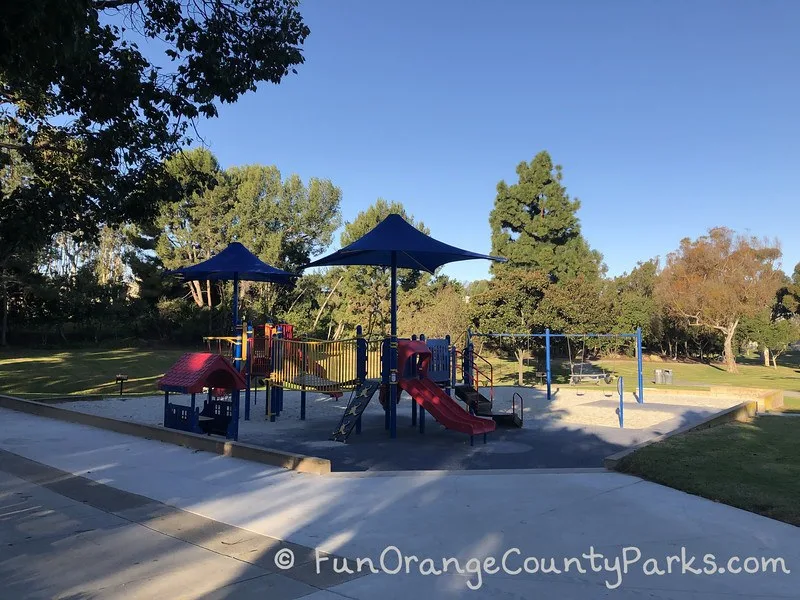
(430, 396)
(443, 408)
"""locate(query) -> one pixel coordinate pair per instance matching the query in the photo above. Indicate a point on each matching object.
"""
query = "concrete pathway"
(466, 516)
(65, 536)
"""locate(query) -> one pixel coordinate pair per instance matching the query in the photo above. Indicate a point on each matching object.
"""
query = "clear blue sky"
(668, 117)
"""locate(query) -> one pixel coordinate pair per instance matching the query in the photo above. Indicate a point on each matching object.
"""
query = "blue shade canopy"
(234, 262)
(412, 249)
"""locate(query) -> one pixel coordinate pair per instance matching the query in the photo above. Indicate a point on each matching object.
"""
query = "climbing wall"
(359, 400)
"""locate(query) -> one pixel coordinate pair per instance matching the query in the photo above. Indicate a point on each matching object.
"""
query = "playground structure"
(392, 243)
(426, 370)
(428, 373)
(331, 367)
(432, 371)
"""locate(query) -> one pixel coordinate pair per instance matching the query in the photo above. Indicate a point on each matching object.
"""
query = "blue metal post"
(166, 408)
(413, 367)
(453, 361)
(303, 389)
(361, 356)
(385, 378)
(621, 390)
(547, 359)
(640, 399)
(277, 407)
(233, 428)
(273, 402)
(421, 419)
(247, 364)
(237, 348)
(361, 364)
(235, 307)
(466, 365)
(393, 391)
(193, 414)
(448, 387)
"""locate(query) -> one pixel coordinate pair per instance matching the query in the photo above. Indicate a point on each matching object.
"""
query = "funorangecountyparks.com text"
(514, 561)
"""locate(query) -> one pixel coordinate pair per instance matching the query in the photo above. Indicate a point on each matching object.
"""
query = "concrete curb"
(268, 456)
(743, 413)
(67, 398)
(438, 473)
(767, 399)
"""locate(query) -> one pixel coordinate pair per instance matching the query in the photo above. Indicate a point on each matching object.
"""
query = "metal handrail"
(521, 405)
(478, 372)
(208, 339)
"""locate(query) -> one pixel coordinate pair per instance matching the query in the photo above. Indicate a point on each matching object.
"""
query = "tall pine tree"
(535, 227)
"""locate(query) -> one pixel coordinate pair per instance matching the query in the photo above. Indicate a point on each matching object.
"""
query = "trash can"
(667, 376)
(659, 376)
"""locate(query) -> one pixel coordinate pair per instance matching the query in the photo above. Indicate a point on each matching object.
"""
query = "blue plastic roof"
(234, 261)
(414, 249)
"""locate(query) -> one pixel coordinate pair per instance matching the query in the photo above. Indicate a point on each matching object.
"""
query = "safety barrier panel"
(325, 366)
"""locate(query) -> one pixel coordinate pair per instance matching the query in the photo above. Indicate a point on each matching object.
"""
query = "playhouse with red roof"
(196, 372)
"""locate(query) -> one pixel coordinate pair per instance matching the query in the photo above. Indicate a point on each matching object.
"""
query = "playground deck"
(576, 429)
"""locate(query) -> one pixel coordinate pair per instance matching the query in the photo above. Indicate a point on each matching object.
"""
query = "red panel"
(408, 348)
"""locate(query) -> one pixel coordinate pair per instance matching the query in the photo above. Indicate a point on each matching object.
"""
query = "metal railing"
(476, 372)
(521, 406)
(374, 358)
(223, 344)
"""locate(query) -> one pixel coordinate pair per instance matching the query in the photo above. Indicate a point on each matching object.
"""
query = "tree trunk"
(774, 361)
(324, 304)
(197, 292)
(520, 361)
(210, 311)
(300, 295)
(4, 323)
(766, 356)
(729, 356)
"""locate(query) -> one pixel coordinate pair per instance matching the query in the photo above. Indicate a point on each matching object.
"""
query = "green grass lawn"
(791, 404)
(92, 371)
(685, 375)
(754, 466)
(39, 373)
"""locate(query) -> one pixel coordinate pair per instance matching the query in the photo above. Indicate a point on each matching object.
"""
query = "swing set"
(585, 371)
(580, 369)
